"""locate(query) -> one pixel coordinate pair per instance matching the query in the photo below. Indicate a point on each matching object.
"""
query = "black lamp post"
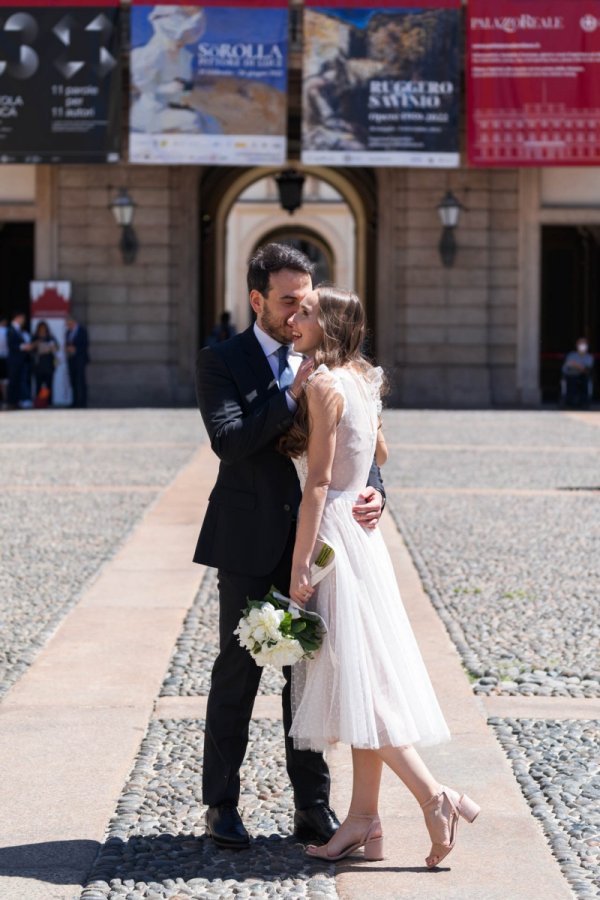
(290, 184)
(123, 209)
(449, 212)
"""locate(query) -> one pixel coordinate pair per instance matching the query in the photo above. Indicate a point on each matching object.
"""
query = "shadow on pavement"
(186, 856)
(55, 862)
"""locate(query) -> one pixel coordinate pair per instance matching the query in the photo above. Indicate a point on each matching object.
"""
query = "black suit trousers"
(78, 382)
(234, 685)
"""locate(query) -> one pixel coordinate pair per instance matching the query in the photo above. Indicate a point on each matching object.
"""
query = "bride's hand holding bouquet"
(301, 589)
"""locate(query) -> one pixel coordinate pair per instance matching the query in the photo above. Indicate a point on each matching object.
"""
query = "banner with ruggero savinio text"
(60, 81)
(209, 82)
(381, 82)
(533, 83)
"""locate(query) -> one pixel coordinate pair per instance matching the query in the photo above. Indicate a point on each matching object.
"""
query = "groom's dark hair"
(273, 258)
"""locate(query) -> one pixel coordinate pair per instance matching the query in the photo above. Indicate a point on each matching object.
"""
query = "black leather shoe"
(224, 825)
(317, 823)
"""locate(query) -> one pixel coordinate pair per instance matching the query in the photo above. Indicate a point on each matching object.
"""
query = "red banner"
(533, 83)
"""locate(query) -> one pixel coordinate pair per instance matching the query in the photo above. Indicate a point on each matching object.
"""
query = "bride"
(367, 686)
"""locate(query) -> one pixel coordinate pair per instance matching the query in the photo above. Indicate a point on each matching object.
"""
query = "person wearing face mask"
(577, 375)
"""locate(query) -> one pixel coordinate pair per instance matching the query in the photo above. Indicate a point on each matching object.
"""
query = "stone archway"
(220, 190)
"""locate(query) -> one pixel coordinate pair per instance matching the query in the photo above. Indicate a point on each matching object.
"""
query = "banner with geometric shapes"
(60, 82)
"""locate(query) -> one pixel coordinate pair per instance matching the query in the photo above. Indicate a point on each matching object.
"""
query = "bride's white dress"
(367, 686)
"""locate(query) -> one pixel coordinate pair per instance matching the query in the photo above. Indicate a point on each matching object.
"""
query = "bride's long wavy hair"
(342, 318)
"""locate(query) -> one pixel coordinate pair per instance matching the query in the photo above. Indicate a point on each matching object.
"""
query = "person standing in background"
(223, 330)
(77, 358)
(19, 349)
(3, 360)
(45, 346)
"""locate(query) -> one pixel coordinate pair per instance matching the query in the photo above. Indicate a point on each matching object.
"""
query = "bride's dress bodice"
(356, 434)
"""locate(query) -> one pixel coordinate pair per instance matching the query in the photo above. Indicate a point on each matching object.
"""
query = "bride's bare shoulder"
(324, 389)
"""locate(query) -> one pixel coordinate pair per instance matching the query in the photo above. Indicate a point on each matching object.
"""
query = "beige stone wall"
(449, 335)
(141, 317)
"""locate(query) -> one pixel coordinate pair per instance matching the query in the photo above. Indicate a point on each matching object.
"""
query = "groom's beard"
(278, 330)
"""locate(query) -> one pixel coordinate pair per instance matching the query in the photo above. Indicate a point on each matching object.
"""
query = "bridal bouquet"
(276, 631)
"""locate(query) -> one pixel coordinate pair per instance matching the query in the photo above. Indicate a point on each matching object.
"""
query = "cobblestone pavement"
(515, 577)
(156, 848)
(76, 482)
(504, 537)
(556, 764)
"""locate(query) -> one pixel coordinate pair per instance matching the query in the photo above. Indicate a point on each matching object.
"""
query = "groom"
(246, 390)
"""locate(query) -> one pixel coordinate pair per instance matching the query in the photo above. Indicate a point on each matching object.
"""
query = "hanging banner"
(209, 83)
(533, 83)
(60, 82)
(381, 83)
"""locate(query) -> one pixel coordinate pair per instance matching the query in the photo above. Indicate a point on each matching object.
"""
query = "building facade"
(491, 330)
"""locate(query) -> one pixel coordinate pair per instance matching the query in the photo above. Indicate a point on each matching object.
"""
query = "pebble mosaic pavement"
(500, 513)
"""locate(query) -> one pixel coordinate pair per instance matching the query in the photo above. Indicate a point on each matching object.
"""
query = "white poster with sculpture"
(209, 83)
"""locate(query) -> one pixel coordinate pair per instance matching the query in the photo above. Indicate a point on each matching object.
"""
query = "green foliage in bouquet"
(304, 628)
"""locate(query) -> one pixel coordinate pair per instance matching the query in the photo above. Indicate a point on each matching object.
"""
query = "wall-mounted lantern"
(123, 209)
(449, 212)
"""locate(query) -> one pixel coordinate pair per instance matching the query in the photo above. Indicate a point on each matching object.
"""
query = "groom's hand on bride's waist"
(368, 508)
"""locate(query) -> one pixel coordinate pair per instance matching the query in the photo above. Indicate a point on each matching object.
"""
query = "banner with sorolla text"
(209, 82)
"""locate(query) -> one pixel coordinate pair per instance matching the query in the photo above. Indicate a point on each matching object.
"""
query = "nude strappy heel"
(441, 818)
(373, 844)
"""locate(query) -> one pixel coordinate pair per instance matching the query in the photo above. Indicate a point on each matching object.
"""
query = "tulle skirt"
(367, 686)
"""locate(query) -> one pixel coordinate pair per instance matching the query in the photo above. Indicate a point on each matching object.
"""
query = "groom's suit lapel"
(262, 383)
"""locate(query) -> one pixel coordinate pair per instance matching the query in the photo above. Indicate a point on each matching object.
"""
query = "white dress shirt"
(270, 347)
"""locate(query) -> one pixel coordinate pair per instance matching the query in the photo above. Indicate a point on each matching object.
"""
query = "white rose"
(270, 621)
(285, 653)
(244, 634)
(254, 616)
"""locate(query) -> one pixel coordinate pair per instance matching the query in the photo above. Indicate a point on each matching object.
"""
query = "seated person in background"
(577, 375)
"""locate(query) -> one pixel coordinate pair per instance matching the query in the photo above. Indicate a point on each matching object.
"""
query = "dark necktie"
(286, 375)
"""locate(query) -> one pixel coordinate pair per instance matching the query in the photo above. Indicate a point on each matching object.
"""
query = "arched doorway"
(239, 209)
(324, 228)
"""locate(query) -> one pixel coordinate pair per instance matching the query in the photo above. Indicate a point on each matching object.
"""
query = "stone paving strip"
(75, 499)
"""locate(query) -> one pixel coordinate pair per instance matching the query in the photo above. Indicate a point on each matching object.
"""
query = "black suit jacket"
(80, 341)
(14, 339)
(257, 493)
